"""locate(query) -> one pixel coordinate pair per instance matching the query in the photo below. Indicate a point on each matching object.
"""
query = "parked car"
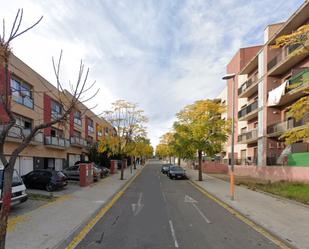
(45, 179)
(72, 173)
(165, 168)
(176, 172)
(19, 194)
(105, 171)
(97, 173)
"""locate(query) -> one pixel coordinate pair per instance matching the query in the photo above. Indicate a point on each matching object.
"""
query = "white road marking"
(189, 199)
(201, 213)
(173, 234)
(137, 207)
(164, 197)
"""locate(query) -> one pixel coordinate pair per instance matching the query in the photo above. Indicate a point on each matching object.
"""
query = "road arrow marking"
(189, 199)
(137, 207)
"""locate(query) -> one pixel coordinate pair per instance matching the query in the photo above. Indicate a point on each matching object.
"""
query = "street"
(157, 213)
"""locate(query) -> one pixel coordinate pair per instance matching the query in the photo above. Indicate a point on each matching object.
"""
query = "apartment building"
(34, 100)
(268, 84)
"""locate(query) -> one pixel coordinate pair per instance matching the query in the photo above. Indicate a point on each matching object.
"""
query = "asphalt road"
(158, 213)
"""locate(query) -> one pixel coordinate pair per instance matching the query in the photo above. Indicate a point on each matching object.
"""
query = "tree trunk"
(179, 161)
(200, 173)
(6, 201)
(170, 160)
(122, 171)
(134, 162)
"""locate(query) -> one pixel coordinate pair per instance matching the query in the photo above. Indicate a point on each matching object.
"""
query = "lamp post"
(227, 77)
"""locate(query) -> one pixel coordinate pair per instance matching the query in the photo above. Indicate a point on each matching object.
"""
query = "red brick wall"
(47, 113)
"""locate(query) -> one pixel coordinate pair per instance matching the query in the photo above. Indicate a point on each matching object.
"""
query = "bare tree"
(68, 104)
(129, 122)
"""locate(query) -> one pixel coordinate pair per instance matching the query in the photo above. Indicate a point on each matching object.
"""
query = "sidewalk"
(286, 219)
(54, 224)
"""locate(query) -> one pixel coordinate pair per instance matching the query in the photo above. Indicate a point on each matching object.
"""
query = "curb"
(69, 242)
(276, 239)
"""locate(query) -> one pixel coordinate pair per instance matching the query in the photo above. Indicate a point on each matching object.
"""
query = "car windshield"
(16, 181)
(176, 168)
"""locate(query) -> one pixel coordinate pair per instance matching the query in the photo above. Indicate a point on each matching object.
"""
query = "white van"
(19, 194)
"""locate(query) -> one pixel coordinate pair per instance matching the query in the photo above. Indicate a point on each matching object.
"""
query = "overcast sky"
(161, 54)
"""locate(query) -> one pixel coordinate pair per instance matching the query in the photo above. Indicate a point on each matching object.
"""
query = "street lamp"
(227, 77)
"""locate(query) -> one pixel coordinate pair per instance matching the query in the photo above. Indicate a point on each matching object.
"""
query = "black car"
(176, 172)
(45, 179)
(165, 168)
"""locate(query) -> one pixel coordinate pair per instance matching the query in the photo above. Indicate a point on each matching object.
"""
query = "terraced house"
(34, 100)
(268, 83)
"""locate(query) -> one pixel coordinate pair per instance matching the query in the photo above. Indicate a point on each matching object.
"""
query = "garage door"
(58, 164)
(26, 165)
(73, 159)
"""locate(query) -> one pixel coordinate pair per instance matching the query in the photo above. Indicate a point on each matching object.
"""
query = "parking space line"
(201, 213)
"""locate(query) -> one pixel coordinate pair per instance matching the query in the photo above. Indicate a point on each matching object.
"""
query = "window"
(90, 126)
(106, 131)
(24, 123)
(77, 134)
(22, 93)
(243, 130)
(56, 110)
(56, 133)
(77, 118)
(100, 133)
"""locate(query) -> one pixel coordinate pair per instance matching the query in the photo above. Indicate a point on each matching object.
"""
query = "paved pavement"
(53, 224)
(158, 213)
(284, 218)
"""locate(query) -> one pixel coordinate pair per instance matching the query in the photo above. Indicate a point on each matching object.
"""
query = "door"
(26, 165)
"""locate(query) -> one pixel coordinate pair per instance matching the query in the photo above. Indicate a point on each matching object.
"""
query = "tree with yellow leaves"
(300, 108)
(203, 129)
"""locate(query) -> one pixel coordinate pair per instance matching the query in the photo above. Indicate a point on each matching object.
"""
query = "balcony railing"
(286, 51)
(244, 87)
(90, 129)
(298, 80)
(279, 128)
(248, 136)
(78, 141)
(56, 141)
(17, 133)
(248, 109)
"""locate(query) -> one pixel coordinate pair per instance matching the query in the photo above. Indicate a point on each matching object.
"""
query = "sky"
(161, 54)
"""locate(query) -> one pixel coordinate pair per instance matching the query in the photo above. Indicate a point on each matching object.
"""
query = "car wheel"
(49, 187)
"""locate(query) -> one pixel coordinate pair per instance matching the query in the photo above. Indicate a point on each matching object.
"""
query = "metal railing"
(78, 141)
(251, 81)
(285, 51)
(56, 141)
(250, 135)
(246, 110)
(286, 125)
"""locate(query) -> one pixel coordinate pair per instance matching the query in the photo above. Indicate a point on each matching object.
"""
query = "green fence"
(298, 159)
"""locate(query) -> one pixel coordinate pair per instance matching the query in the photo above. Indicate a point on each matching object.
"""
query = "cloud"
(161, 54)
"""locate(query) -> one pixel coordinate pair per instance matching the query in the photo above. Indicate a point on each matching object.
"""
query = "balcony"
(90, 129)
(277, 129)
(16, 134)
(248, 112)
(249, 87)
(56, 142)
(78, 142)
(284, 60)
(77, 121)
(295, 88)
(248, 137)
